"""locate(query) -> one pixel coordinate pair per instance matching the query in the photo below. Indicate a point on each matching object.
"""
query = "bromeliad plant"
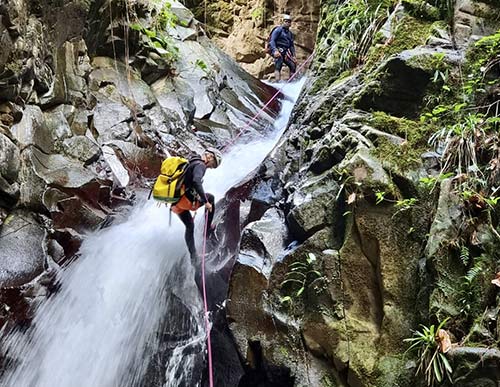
(432, 344)
(299, 278)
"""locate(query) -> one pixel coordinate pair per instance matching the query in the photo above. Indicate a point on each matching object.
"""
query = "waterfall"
(131, 281)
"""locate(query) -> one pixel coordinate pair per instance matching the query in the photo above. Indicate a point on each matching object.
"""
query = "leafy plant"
(202, 65)
(355, 24)
(406, 204)
(461, 144)
(300, 277)
(431, 181)
(157, 38)
(432, 361)
(379, 197)
(470, 283)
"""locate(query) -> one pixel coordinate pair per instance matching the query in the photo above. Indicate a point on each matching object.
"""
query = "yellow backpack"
(168, 187)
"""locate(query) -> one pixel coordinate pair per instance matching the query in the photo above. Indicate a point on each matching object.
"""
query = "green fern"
(470, 285)
(464, 255)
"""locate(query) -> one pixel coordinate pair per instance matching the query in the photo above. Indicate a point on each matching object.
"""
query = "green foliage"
(347, 32)
(462, 143)
(301, 276)
(201, 64)
(469, 123)
(430, 182)
(406, 204)
(165, 18)
(156, 38)
(470, 286)
(379, 197)
(432, 363)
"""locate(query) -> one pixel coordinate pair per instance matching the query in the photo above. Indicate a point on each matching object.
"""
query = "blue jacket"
(282, 38)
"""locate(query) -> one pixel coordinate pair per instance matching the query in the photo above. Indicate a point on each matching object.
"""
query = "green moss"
(326, 381)
(218, 14)
(394, 371)
(408, 33)
(258, 14)
(407, 155)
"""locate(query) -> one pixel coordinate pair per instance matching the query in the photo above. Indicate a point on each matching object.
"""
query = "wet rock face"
(78, 132)
(372, 286)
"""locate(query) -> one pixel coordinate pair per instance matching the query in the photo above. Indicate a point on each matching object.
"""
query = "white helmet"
(217, 155)
(287, 17)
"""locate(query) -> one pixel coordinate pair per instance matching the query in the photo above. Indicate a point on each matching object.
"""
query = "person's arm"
(274, 38)
(198, 173)
(292, 45)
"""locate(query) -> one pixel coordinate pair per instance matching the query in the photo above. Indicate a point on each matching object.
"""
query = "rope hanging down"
(205, 303)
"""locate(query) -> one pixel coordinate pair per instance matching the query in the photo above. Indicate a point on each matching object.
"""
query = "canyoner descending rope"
(205, 228)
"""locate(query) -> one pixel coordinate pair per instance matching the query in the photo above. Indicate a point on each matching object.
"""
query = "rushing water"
(101, 328)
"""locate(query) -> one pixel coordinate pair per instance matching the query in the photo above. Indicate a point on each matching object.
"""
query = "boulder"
(9, 159)
(22, 256)
(59, 170)
(71, 67)
(81, 148)
(471, 21)
(263, 241)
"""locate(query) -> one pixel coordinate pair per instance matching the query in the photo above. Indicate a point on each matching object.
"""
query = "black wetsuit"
(193, 182)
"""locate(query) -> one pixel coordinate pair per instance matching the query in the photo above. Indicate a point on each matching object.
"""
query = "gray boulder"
(22, 257)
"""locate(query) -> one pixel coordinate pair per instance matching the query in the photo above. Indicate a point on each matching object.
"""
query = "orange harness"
(184, 204)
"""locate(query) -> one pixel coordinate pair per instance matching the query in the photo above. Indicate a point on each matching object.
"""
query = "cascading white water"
(97, 330)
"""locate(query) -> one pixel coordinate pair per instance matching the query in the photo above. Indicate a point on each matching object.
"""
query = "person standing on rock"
(195, 196)
(283, 48)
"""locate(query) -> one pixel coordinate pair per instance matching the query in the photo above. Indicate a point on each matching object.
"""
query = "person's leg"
(278, 64)
(188, 221)
(211, 200)
(291, 66)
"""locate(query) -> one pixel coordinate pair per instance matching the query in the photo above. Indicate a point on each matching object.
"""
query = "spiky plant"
(432, 361)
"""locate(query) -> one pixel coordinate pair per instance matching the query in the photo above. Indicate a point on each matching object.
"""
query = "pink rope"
(205, 303)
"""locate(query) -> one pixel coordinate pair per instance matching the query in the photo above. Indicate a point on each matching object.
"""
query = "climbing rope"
(205, 303)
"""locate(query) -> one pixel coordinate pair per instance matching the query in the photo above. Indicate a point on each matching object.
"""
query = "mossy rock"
(422, 9)
(397, 371)
(408, 155)
(408, 33)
